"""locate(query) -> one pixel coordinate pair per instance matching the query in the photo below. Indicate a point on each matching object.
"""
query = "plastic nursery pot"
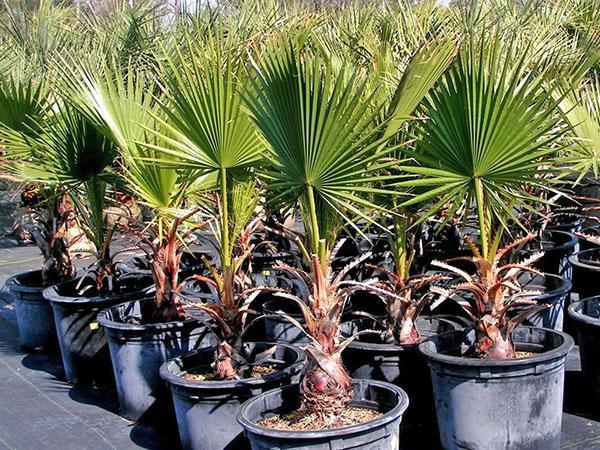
(586, 318)
(206, 410)
(586, 269)
(404, 366)
(555, 293)
(279, 329)
(380, 433)
(138, 347)
(83, 344)
(33, 311)
(584, 244)
(557, 247)
(369, 358)
(267, 278)
(499, 404)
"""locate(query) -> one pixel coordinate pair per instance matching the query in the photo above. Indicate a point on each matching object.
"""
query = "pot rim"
(395, 348)
(51, 294)
(14, 283)
(574, 259)
(562, 350)
(220, 385)
(577, 315)
(381, 421)
(570, 243)
(563, 289)
(110, 324)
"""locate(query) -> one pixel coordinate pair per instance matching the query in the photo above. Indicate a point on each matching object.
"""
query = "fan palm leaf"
(492, 130)
(323, 147)
(581, 108)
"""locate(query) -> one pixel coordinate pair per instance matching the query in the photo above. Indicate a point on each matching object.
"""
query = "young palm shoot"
(490, 136)
(404, 293)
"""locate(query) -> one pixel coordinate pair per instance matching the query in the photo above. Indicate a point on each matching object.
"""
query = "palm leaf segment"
(22, 104)
(491, 131)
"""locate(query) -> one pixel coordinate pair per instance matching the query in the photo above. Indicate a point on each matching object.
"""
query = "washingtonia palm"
(205, 130)
(489, 141)
(24, 106)
(122, 100)
(70, 151)
(326, 158)
(404, 293)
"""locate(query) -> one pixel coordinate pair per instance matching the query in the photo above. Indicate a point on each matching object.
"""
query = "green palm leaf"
(323, 147)
(492, 130)
(581, 108)
(23, 104)
(205, 124)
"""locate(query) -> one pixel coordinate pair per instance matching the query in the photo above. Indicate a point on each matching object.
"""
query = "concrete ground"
(38, 410)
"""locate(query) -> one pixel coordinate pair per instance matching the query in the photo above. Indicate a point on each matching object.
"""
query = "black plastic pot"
(566, 221)
(33, 311)
(381, 433)
(206, 410)
(556, 291)
(586, 317)
(138, 350)
(278, 329)
(191, 262)
(499, 404)
(586, 270)
(369, 358)
(557, 246)
(268, 278)
(83, 344)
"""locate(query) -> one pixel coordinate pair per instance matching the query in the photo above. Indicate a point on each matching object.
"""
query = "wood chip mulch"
(304, 421)
(255, 372)
(261, 371)
(524, 354)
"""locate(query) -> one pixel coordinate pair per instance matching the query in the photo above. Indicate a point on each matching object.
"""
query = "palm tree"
(24, 107)
(490, 139)
(327, 158)
(70, 151)
(206, 131)
(122, 101)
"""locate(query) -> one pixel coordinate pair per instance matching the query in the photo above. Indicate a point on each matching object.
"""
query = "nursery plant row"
(360, 225)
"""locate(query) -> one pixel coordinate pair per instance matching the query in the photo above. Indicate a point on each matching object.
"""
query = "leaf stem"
(225, 252)
(314, 222)
(483, 230)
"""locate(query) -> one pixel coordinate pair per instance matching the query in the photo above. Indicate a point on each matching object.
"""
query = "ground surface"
(40, 411)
